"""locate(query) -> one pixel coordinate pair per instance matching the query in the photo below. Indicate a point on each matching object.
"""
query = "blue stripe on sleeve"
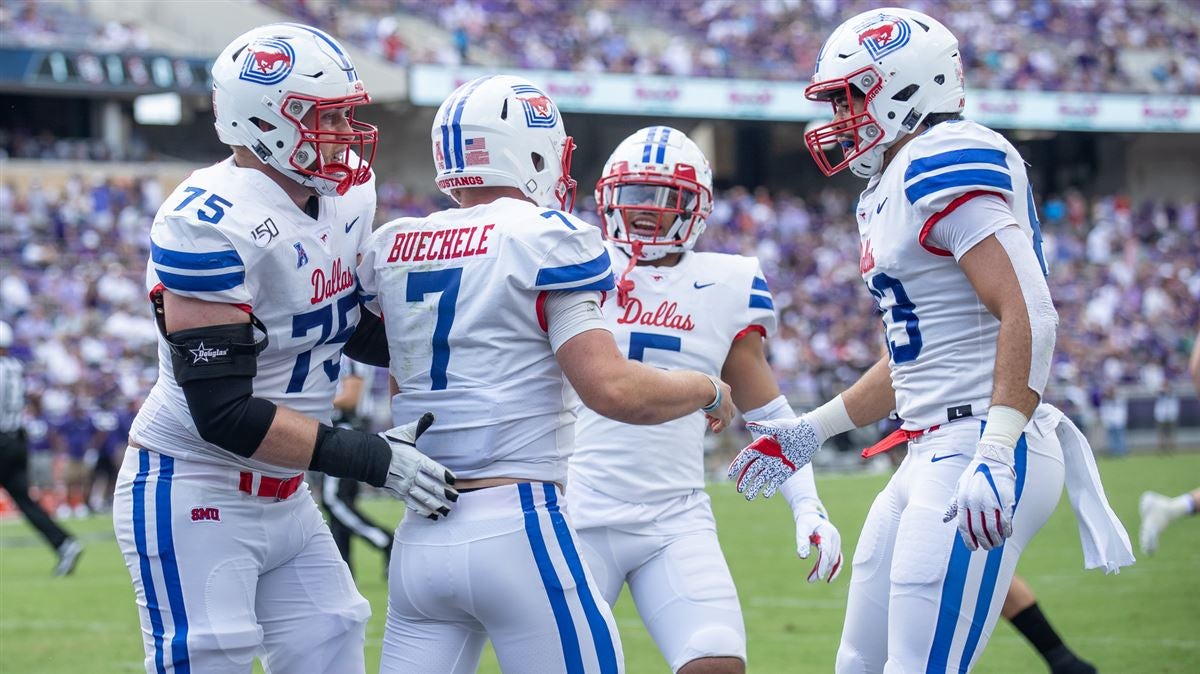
(762, 302)
(572, 656)
(201, 283)
(759, 284)
(605, 284)
(954, 158)
(574, 273)
(969, 178)
(218, 259)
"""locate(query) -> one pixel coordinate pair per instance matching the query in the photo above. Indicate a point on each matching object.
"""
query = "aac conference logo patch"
(268, 61)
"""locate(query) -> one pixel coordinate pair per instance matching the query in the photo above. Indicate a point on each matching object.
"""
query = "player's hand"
(784, 446)
(813, 529)
(720, 418)
(984, 499)
(424, 484)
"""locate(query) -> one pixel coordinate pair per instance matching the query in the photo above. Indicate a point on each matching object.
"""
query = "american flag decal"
(476, 151)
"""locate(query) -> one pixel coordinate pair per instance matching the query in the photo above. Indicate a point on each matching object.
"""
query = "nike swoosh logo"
(697, 285)
(350, 225)
(948, 456)
(879, 208)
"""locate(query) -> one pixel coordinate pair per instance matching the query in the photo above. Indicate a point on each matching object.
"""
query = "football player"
(643, 516)
(951, 250)
(493, 317)
(251, 276)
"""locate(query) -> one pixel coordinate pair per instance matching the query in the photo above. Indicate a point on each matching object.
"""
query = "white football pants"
(679, 582)
(911, 566)
(503, 565)
(221, 575)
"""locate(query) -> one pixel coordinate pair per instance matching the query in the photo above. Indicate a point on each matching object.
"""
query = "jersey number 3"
(904, 312)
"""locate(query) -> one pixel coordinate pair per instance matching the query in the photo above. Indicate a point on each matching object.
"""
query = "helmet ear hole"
(504, 110)
(539, 162)
(262, 124)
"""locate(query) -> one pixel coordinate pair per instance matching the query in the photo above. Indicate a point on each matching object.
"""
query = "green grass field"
(1144, 620)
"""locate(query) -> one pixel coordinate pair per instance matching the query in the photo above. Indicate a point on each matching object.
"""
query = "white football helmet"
(502, 131)
(656, 191)
(265, 85)
(904, 63)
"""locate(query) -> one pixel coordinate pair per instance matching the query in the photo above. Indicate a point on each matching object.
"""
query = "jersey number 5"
(640, 341)
(444, 281)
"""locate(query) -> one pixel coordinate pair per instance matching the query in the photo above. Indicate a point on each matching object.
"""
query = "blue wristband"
(711, 407)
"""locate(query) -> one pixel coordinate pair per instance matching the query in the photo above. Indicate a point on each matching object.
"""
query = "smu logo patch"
(268, 61)
(540, 111)
(883, 34)
(206, 514)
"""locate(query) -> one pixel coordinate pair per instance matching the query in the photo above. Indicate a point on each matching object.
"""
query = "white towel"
(1105, 542)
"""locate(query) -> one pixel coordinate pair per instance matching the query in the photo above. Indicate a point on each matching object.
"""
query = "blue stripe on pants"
(947, 620)
(605, 651)
(139, 538)
(170, 566)
(991, 569)
(554, 591)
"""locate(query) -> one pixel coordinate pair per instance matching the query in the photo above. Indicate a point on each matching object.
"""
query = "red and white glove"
(813, 529)
(985, 497)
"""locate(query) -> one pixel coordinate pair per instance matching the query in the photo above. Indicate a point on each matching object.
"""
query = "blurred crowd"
(65, 24)
(1146, 46)
(1125, 279)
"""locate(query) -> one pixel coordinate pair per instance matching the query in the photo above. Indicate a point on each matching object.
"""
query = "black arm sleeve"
(368, 344)
(215, 366)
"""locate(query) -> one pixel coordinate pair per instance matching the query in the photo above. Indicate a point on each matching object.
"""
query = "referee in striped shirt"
(14, 458)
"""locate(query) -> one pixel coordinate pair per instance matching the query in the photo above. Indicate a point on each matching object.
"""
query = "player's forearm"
(1194, 365)
(289, 441)
(1010, 386)
(871, 398)
(649, 396)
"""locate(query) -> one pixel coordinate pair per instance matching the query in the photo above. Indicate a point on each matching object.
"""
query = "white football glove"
(984, 498)
(813, 528)
(784, 447)
(424, 484)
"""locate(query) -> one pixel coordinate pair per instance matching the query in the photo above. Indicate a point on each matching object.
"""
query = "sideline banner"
(711, 98)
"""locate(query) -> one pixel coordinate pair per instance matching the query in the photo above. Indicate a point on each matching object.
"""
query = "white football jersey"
(231, 235)
(940, 337)
(461, 292)
(681, 317)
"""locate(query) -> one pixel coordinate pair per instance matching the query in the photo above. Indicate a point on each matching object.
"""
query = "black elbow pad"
(215, 366)
(368, 344)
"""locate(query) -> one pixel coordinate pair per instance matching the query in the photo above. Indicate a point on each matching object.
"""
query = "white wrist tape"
(800, 490)
(776, 409)
(830, 419)
(1004, 427)
(1043, 319)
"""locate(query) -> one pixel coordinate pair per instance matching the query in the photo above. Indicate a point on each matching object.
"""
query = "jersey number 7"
(446, 282)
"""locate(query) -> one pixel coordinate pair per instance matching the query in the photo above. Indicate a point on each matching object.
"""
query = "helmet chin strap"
(625, 285)
(869, 163)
